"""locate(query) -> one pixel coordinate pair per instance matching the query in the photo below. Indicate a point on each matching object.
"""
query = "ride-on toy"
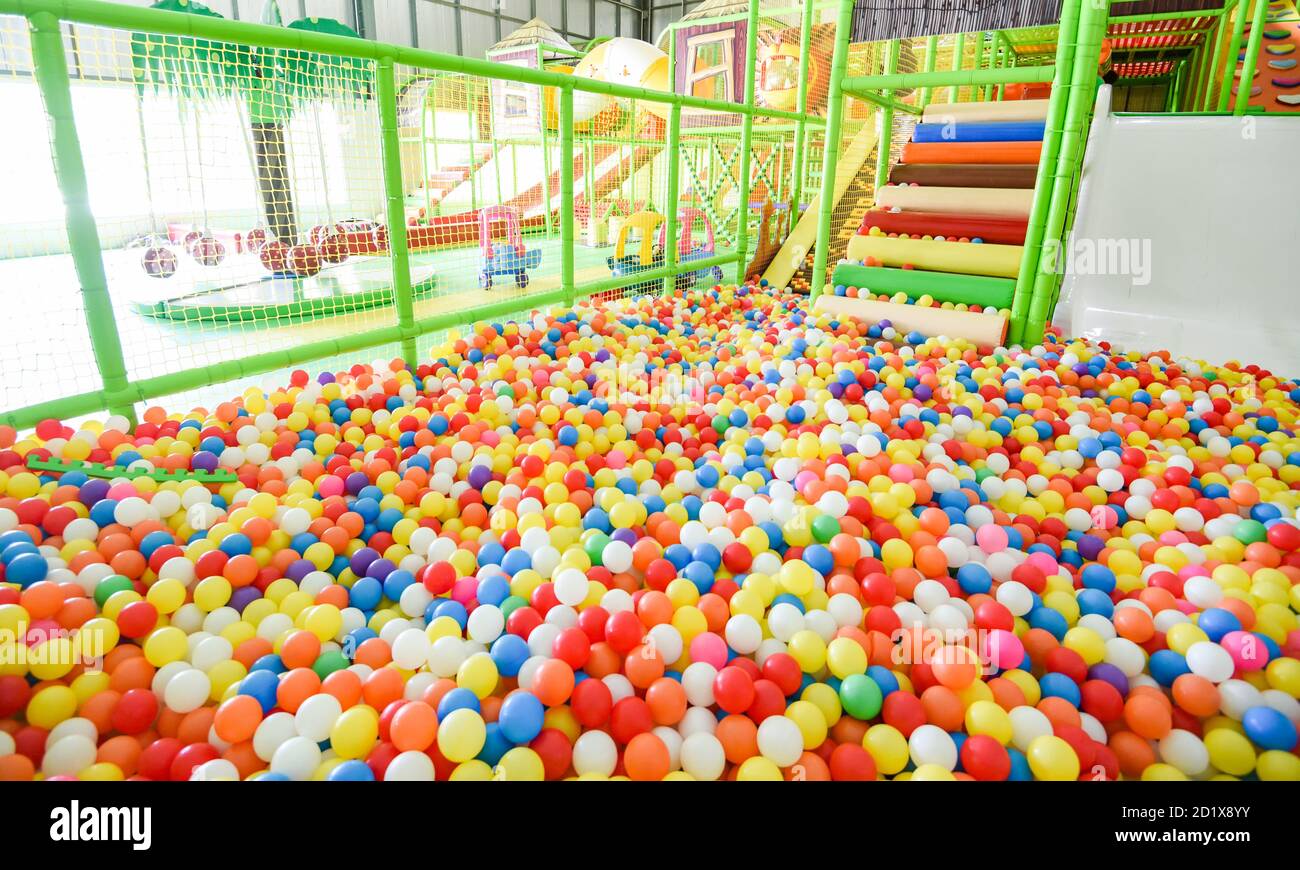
(687, 251)
(649, 255)
(508, 257)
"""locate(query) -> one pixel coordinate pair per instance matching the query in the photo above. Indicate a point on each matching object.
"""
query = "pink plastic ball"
(1248, 651)
(709, 648)
(991, 538)
(465, 590)
(1004, 649)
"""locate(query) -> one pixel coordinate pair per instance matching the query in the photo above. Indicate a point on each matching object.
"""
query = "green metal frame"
(118, 393)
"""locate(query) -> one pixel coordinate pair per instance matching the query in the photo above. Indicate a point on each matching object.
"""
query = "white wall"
(1215, 200)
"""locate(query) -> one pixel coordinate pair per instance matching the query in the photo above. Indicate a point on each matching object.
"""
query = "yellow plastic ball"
(1052, 759)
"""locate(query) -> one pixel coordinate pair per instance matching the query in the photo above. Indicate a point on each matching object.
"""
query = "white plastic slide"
(1187, 238)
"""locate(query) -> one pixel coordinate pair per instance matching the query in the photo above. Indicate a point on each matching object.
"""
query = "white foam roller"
(983, 329)
(1002, 202)
(1009, 110)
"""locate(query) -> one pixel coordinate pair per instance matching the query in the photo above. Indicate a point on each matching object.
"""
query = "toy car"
(508, 257)
(649, 255)
(687, 251)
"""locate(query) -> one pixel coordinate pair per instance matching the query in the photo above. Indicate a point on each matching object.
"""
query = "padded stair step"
(980, 131)
(958, 200)
(959, 258)
(941, 286)
(1020, 176)
(991, 228)
(972, 152)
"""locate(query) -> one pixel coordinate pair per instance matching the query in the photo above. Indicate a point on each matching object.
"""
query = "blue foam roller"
(981, 131)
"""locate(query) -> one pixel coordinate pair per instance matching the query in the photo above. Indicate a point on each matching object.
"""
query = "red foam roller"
(991, 228)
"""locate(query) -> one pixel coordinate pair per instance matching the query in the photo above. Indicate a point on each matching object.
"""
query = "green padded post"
(1234, 48)
(831, 151)
(567, 239)
(395, 196)
(50, 68)
(1065, 43)
(746, 142)
(886, 119)
(1083, 88)
(1257, 25)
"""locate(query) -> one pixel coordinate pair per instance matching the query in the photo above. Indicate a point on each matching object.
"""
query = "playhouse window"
(710, 66)
(780, 73)
(514, 103)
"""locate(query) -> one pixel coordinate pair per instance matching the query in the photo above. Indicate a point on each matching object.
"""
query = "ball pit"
(712, 536)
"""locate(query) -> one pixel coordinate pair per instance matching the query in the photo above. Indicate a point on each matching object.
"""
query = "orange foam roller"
(972, 152)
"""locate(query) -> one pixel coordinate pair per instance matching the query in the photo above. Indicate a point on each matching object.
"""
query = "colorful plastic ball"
(861, 696)
(1052, 759)
(521, 717)
(159, 262)
(461, 735)
(1268, 729)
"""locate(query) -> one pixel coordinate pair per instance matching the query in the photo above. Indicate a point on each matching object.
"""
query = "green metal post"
(1179, 75)
(931, 50)
(1056, 106)
(394, 194)
(1257, 25)
(670, 213)
(546, 182)
(1197, 67)
(986, 38)
(475, 178)
(746, 143)
(1234, 48)
(1212, 67)
(1083, 87)
(886, 120)
(801, 107)
(831, 149)
(50, 69)
(958, 50)
(567, 240)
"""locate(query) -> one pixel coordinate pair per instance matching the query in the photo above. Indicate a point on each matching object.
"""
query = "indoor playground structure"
(802, 392)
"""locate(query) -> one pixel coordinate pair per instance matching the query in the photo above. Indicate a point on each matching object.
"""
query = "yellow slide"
(801, 238)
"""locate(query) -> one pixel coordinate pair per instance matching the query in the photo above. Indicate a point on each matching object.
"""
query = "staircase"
(951, 223)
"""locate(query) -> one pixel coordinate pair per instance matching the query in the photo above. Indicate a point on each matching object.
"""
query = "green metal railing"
(118, 393)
